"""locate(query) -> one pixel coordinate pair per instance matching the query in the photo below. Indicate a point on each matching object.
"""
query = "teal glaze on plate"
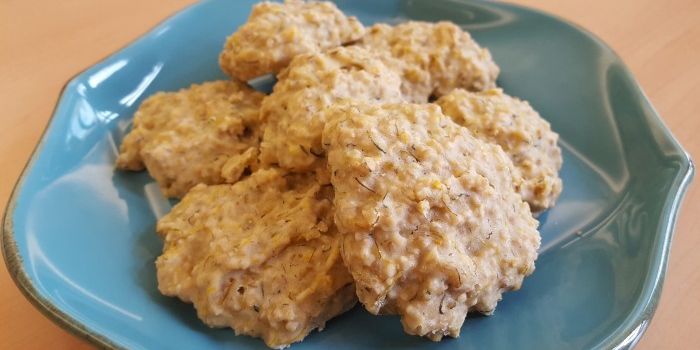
(79, 237)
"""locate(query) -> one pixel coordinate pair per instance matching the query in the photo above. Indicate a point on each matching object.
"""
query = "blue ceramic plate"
(79, 237)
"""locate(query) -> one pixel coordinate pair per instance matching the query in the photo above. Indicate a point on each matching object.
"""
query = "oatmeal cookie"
(276, 32)
(432, 58)
(261, 256)
(522, 133)
(208, 133)
(432, 226)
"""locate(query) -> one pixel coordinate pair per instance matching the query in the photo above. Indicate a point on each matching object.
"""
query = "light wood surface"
(43, 44)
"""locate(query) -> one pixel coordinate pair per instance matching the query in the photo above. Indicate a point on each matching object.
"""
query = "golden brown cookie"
(522, 133)
(208, 133)
(432, 58)
(261, 256)
(432, 226)
(276, 32)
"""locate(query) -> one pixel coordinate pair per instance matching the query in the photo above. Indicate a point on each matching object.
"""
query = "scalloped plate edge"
(626, 335)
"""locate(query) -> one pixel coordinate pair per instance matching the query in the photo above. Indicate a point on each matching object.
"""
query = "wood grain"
(42, 46)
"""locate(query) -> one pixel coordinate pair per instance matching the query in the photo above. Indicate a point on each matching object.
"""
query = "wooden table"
(43, 45)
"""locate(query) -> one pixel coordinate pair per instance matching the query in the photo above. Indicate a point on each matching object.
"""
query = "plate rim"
(627, 334)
